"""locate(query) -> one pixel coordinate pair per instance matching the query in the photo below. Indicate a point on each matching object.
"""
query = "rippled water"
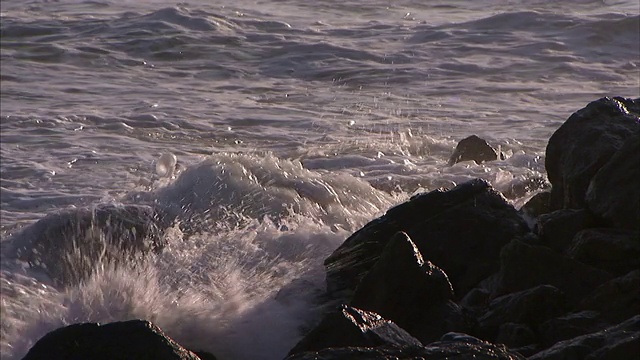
(293, 123)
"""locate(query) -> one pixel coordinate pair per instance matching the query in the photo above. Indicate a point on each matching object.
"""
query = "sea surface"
(293, 123)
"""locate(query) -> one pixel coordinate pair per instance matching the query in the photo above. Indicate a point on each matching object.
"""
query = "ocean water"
(292, 122)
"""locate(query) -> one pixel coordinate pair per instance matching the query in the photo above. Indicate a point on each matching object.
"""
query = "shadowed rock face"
(134, 339)
(352, 327)
(414, 294)
(69, 245)
(473, 148)
(451, 346)
(460, 230)
(614, 192)
(584, 144)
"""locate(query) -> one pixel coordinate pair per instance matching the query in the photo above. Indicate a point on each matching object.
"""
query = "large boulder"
(69, 245)
(617, 299)
(524, 266)
(133, 339)
(529, 307)
(584, 144)
(613, 250)
(619, 342)
(557, 229)
(413, 293)
(570, 326)
(461, 230)
(450, 347)
(614, 192)
(352, 327)
(473, 148)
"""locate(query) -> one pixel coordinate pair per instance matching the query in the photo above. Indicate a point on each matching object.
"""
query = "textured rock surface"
(524, 266)
(473, 148)
(69, 245)
(530, 307)
(351, 327)
(461, 230)
(557, 229)
(614, 192)
(570, 326)
(134, 339)
(617, 342)
(614, 250)
(584, 143)
(617, 299)
(413, 293)
(450, 347)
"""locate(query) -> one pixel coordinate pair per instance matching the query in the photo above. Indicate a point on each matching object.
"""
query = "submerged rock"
(69, 245)
(473, 148)
(133, 339)
(584, 144)
(461, 230)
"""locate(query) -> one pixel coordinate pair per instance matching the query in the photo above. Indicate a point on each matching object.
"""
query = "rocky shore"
(460, 273)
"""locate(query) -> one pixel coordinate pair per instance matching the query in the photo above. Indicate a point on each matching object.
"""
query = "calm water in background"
(293, 122)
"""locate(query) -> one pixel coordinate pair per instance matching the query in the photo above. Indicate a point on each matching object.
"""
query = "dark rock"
(614, 192)
(570, 326)
(617, 299)
(461, 230)
(583, 144)
(539, 204)
(69, 245)
(451, 347)
(515, 335)
(525, 266)
(557, 229)
(618, 342)
(134, 339)
(476, 300)
(530, 307)
(351, 327)
(473, 148)
(414, 294)
(614, 250)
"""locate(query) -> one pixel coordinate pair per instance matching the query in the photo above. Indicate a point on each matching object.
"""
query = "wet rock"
(614, 192)
(352, 327)
(451, 347)
(530, 307)
(473, 148)
(557, 229)
(539, 204)
(134, 339)
(461, 230)
(613, 250)
(570, 326)
(618, 342)
(584, 144)
(69, 245)
(617, 299)
(413, 293)
(524, 266)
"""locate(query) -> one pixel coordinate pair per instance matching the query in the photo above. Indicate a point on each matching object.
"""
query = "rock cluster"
(459, 274)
